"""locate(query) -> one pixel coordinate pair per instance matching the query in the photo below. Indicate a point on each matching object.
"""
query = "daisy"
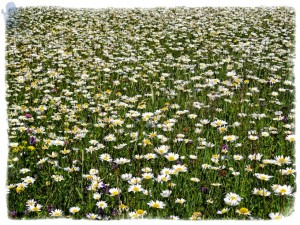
(35, 208)
(171, 156)
(105, 157)
(280, 160)
(56, 213)
(126, 176)
(238, 157)
(180, 200)
(163, 178)
(147, 176)
(287, 171)
(156, 204)
(166, 193)
(147, 169)
(96, 196)
(261, 192)
(58, 178)
(30, 202)
(264, 177)
(230, 138)
(135, 188)
(24, 170)
(121, 161)
(243, 211)
(223, 211)
(141, 212)
(114, 191)
(193, 157)
(162, 149)
(101, 204)
(74, 210)
(110, 137)
(284, 190)
(255, 157)
(135, 180)
(133, 215)
(195, 179)
(150, 156)
(174, 217)
(276, 216)
(92, 216)
(179, 168)
(166, 171)
(253, 137)
(232, 199)
(290, 138)
(28, 180)
(123, 207)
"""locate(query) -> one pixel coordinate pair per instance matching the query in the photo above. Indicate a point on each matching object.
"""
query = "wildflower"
(156, 204)
(180, 200)
(179, 168)
(114, 191)
(28, 180)
(195, 179)
(243, 211)
(147, 176)
(126, 176)
(264, 177)
(92, 216)
(171, 156)
(232, 199)
(284, 190)
(58, 178)
(290, 138)
(141, 212)
(135, 188)
(237, 157)
(280, 160)
(174, 217)
(255, 157)
(110, 137)
(56, 213)
(223, 211)
(287, 171)
(253, 137)
(74, 210)
(166, 193)
(101, 204)
(230, 138)
(276, 216)
(121, 161)
(150, 156)
(96, 196)
(105, 157)
(133, 215)
(162, 149)
(35, 208)
(123, 207)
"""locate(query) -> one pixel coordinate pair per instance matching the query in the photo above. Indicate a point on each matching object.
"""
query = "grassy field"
(172, 113)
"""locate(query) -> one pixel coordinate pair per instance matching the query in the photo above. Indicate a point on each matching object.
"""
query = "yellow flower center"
(155, 205)
(140, 212)
(171, 158)
(135, 189)
(244, 210)
(282, 160)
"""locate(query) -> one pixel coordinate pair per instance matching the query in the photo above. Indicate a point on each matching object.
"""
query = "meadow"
(170, 113)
